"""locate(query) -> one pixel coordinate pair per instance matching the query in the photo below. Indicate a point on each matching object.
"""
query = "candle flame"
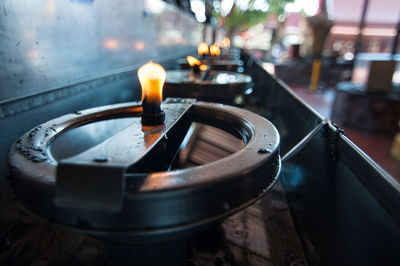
(192, 60)
(202, 49)
(203, 67)
(152, 77)
(226, 43)
(214, 50)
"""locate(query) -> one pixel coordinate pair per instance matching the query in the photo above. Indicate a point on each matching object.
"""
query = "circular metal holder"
(218, 86)
(101, 172)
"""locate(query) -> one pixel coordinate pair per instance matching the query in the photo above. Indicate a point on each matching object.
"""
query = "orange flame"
(152, 77)
(192, 60)
(226, 43)
(203, 67)
(202, 49)
(214, 50)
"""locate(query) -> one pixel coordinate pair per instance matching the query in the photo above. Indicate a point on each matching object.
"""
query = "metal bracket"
(335, 140)
(95, 179)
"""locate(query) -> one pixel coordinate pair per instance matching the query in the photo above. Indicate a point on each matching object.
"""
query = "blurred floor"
(376, 146)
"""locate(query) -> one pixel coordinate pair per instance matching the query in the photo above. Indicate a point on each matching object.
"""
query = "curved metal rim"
(44, 172)
(165, 203)
(248, 80)
(169, 232)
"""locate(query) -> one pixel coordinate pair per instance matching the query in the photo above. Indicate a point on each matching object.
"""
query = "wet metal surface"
(213, 190)
(344, 206)
(48, 44)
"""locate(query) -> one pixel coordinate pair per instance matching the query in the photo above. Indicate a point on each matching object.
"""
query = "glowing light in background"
(378, 32)
(226, 6)
(155, 6)
(139, 45)
(348, 56)
(242, 4)
(349, 30)
(111, 44)
(50, 7)
(261, 5)
(345, 30)
(33, 54)
(202, 48)
(310, 7)
(198, 9)
(226, 43)
(214, 50)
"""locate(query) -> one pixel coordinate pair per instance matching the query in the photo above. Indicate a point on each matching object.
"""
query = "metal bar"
(95, 179)
(358, 44)
(204, 74)
(396, 39)
(304, 141)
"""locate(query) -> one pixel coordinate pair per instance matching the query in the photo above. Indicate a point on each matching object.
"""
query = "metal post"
(396, 39)
(358, 44)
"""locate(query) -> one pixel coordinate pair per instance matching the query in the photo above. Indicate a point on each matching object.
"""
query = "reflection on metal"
(336, 193)
(305, 140)
(87, 182)
(50, 44)
(111, 44)
(221, 86)
(157, 204)
(139, 45)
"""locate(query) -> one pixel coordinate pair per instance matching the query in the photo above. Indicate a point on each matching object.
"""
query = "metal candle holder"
(110, 189)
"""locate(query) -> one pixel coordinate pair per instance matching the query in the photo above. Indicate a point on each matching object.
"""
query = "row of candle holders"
(216, 76)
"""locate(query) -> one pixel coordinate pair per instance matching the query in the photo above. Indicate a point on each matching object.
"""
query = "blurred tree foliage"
(240, 20)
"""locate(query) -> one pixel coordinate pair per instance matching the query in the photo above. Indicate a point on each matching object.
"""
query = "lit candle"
(226, 43)
(152, 77)
(214, 50)
(194, 63)
(202, 49)
(203, 67)
(192, 60)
